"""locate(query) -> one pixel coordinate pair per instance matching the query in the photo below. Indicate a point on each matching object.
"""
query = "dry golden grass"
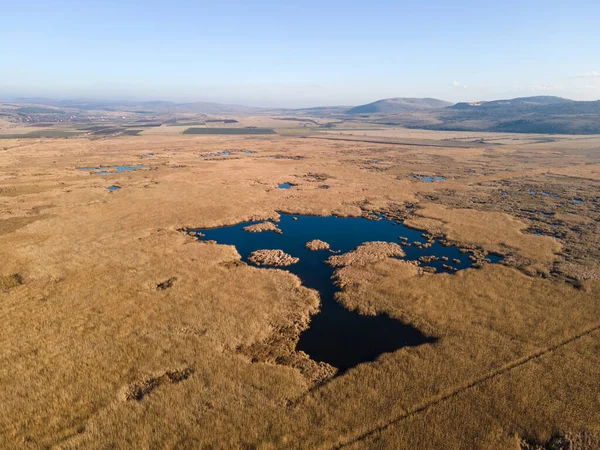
(123, 332)
(12, 224)
(316, 245)
(263, 226)
(495, 232)
(272, 258)
(366, 253)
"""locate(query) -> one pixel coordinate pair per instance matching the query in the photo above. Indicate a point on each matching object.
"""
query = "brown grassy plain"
(120, 331)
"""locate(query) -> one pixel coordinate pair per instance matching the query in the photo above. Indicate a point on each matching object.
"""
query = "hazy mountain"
(213, 108)
(157, 106)
(543, 114)
(317, 111)
(520, 102)
(397, 105)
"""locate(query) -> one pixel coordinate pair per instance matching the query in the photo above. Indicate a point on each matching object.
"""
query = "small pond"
(550, 194)
(285, 186)
(336, 335)
(109, 170)
(428, 179)
(113, 188)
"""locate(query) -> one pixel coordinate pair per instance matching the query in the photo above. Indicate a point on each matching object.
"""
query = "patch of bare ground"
(10, 281)
(139, 389)
(167, 284)
(272, 258)
(264, 226)
(12, 224)
(18, 190)
(316, 245)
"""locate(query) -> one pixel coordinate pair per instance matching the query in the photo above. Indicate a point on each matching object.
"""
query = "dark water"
(336, 335)
(428, 179)
(128, 168)
(284, 186)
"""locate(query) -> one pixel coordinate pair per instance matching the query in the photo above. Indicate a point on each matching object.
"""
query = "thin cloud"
(457, 84)
(548, 86)
(588, 75)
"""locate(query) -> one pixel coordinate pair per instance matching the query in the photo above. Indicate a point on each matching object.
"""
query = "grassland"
(131, 132)
(39, 110)
(229, 131)
(120, 331)
(41, 134)
(185, 124)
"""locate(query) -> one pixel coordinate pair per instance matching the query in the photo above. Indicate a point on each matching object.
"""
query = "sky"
(303, 53)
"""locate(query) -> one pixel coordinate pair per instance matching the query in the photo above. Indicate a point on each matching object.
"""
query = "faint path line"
(418, 143)
(433, 402)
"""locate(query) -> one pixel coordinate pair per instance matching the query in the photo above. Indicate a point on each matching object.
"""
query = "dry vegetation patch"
(496, 232)
(356, 275)
(138, 390)
(474, 297)
(272, 258)
(501, 333)
(264, 226)
(10, 281)
(12, 224)
(316, 245)
(366, 253)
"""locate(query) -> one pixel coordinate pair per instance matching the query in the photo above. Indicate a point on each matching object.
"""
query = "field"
(122, 331)
(229, 131)
(50, 133)
(185, 124)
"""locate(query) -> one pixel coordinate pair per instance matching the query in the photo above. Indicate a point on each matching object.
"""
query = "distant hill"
(148, 106)
(528, 105)
(543, 114)
(317, 111)
(540, 114)
(398, 105)
(520, 102)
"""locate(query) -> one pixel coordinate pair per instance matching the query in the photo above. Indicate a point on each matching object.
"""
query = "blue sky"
(299, 53)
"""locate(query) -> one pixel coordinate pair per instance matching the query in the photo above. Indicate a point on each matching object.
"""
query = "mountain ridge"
(398, 104)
